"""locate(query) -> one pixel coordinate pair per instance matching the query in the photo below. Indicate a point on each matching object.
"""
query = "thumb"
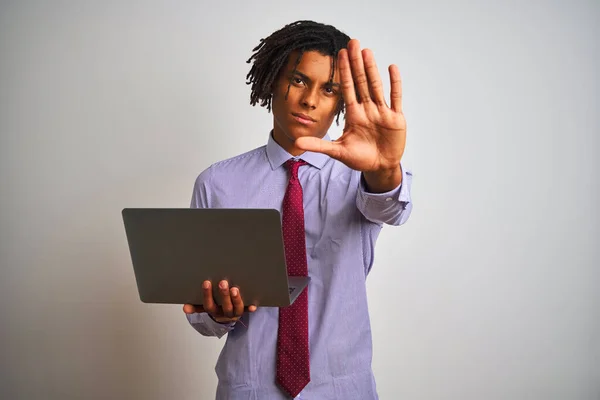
(331, 148)
(191, 309)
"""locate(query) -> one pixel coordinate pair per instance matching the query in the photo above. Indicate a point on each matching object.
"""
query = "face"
(311, 103)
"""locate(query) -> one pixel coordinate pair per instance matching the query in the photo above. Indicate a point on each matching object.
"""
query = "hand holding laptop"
(174, 251)
(232, 304)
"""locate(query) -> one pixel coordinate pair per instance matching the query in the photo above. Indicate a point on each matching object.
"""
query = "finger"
(191, 309)
(238, 304)
(226, 299)
(358, 71)
(209, 302)
(331, 148)
(396, 88)
(348, 90)
(251, 308)
(375, 85)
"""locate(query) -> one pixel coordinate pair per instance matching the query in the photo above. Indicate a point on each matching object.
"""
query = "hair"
(272, 54)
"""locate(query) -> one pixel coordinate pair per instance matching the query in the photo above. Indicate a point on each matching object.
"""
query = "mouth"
(303, 118)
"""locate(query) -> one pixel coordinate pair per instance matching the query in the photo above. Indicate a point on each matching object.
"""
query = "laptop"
(174, 250)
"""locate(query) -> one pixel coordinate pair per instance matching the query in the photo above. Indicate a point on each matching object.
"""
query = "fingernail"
(234, 291)
(206, 284)
(223, 285)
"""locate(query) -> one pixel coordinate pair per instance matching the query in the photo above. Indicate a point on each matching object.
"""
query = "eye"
(297, 81)
(330, 90)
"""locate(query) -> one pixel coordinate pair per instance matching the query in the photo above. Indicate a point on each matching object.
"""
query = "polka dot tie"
(293, 370)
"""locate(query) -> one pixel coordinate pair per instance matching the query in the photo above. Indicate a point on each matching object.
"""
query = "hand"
(374, 135)
(232, 304)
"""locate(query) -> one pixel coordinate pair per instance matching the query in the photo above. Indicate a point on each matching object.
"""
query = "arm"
(373, 139)
(391, 207)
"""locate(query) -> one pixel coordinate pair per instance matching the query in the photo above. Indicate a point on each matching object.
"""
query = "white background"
(490, 291)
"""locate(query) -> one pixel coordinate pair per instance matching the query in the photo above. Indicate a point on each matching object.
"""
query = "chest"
(328, 196)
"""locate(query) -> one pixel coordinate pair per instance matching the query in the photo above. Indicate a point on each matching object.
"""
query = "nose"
(310, 99)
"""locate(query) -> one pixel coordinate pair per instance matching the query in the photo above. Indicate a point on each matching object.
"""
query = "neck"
(286, 143)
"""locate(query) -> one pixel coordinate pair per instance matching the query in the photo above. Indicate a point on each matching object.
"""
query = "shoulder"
(241, 164)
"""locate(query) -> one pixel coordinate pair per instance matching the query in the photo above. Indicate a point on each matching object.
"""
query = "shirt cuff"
(220, 323)
(400, 194)
(207, 326)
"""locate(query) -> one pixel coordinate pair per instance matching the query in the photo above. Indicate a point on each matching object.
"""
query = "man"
(334, 196)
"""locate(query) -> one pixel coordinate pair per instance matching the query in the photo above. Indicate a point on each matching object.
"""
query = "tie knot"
(293, 165)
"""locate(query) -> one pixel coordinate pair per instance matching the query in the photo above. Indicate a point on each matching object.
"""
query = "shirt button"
(388, 199)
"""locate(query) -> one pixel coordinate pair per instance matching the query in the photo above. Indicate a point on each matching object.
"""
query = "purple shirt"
(342, 222)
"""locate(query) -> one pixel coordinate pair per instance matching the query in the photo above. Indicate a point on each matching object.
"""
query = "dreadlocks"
(272, 54)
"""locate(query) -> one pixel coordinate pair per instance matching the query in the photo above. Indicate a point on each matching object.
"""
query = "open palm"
(374, 135)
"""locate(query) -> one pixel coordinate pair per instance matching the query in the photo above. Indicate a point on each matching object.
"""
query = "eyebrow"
(306, 78)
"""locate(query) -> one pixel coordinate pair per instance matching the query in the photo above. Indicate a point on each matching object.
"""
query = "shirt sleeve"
(206, 326)
(392, 208)
(202, 322)
(201, 191)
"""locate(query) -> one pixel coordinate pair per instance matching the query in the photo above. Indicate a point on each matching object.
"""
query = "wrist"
(222, 320)
(383, 180)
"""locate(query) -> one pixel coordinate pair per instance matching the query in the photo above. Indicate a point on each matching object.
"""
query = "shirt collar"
(277, 155)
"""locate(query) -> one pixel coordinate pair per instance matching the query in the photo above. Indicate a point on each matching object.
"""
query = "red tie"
(293, 371)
